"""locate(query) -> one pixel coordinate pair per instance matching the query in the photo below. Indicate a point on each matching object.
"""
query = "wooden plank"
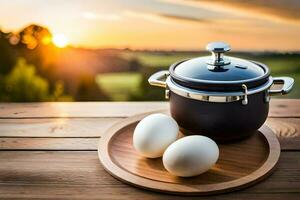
(7, 143)
(48, 143)
(120, 192)
(287, 129)
(55, 127)
(77, 109)
(284, 108)
(279, 108)
(79, 175)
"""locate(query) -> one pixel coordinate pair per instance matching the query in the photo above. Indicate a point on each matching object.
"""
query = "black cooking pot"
(224, 98)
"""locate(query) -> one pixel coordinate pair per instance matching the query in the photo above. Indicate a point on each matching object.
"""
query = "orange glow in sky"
(160, 24)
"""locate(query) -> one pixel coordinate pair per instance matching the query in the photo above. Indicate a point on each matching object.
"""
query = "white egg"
(191, 156)
(154, 134)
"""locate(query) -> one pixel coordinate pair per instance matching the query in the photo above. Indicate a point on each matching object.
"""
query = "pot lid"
(219, 72)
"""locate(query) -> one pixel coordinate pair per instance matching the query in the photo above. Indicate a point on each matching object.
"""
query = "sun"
(60, 40)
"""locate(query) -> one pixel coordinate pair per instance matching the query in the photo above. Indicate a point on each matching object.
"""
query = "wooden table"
(49, 150)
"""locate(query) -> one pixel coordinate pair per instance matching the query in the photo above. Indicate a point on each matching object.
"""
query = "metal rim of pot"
(220, 97)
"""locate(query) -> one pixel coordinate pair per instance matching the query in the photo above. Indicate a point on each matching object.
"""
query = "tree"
(35, 45)
(34, 35)
(23, 84)
(7, 53)
(88, 90)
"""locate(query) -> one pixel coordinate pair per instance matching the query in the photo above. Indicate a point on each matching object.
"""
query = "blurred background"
(91, 50)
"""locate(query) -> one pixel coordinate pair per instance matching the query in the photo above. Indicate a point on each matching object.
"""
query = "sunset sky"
(161, 24)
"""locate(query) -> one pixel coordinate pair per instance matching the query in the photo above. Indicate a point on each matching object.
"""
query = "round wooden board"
(240, 164)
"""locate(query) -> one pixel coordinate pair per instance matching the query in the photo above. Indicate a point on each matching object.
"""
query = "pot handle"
(286, 88)
(155, 79)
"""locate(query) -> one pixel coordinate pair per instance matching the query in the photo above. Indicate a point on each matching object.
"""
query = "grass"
(286, 67)
(121, 85)
(158, 59)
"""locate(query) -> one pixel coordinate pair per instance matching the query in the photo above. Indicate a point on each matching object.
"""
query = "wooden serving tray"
(240, 164)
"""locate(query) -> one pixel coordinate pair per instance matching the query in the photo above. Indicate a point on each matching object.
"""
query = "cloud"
(285, 11)
(144, 15)
(182, 18)
(106, 17)
(163, 17)
(288, 9)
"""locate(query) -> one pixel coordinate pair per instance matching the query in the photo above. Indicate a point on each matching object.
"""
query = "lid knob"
(218, 49)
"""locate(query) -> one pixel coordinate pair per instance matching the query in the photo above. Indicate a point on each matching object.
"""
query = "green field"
(158, 59)
(121, 86)
(285, 67)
